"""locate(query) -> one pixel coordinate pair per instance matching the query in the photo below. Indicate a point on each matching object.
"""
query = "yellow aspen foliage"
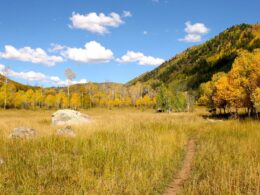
(50, 101)
(30, 98)
(65, 102)
(117, 102)
(39, 98)
(239, 88)
(75, 101)
(206, 91)
(220, 97)
(19, 99)
(256, 98)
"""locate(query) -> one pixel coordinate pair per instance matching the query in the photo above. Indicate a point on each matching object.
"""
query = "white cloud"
(194, 32)
(140, 58)
(38, 76)
(96, 23)
(191, 38)
(93, 52)
(145, 32)
(2, 67)
(54, 79)
(197, 28)
(27, 54)
(127, 14)
(56, 47)
(65, 82)
(29, 76)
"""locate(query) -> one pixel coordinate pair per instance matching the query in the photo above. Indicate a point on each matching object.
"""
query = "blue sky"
(107, 40)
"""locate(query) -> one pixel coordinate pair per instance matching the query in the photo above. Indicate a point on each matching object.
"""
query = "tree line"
(77, 97)
(84, 96)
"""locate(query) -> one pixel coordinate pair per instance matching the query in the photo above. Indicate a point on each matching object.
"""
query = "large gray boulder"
(23, 133)
(69, 117)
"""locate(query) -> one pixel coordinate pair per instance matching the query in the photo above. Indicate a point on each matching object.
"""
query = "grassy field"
(129, 152)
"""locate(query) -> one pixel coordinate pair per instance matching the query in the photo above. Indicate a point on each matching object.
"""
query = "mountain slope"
(197, 64)
(17, 85)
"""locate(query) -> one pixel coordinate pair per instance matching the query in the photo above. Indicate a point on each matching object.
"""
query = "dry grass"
(129, 152)
(227, 159)
(120, 152)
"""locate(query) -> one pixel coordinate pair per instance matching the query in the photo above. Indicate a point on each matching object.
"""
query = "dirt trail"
(178, 181)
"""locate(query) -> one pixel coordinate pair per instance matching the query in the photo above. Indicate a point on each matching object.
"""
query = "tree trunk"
(68, 95)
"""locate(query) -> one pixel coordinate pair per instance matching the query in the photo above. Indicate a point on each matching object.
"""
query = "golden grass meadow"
(129, 151)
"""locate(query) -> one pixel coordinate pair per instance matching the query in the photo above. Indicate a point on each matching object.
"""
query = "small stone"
(214, 120)
(23, 133)
(67, 132)
(1, 161)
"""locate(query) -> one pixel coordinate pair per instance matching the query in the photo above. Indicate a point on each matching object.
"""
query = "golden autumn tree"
(58, 99)
(237, 89)
(39, 98)
(245, 78)
(256, 98)
(50, 101)
(75, 101)
(19, 99)
(30, 99)
(206, 94)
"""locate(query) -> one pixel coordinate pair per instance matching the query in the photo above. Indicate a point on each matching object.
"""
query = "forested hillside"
(18, 86)
(186, 71)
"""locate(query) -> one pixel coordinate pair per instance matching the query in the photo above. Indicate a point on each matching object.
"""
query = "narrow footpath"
(178, 181)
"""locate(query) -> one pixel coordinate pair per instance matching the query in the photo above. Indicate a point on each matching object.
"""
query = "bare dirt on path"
(178, 181)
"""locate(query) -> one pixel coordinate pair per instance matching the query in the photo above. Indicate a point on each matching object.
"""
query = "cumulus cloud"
(38, 76)
(97, 23)
(192, 38)
(197, 28)
(140, 58)
(27, 54)
(194, 32)
(93, 52)
(65, 82)
(29, 76)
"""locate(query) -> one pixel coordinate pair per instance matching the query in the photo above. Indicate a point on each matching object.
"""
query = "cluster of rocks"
(61, 117)
(27, 133)
(23, 133)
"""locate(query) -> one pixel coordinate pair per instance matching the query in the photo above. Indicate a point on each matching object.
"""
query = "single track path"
(178, 181)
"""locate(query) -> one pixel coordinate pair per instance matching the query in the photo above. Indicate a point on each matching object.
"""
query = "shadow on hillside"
(228, 116)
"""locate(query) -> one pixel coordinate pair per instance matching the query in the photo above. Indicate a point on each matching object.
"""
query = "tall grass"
(227, 159)
(119, 153)
(129, 152)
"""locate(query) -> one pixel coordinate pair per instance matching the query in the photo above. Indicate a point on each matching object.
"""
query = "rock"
(67, 132)
(1, 161)
(214, 120)
(69, 117)
(159, 110)
(23, 133)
